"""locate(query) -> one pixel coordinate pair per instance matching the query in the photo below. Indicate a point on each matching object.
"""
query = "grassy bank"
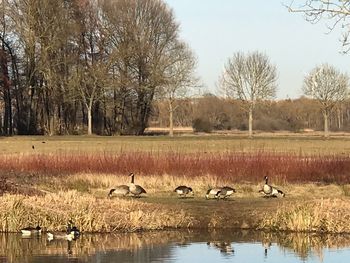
(83, 198)
(52, 212)
(48, 180)
(328, 215)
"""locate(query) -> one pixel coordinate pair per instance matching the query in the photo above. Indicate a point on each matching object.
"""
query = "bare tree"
(327, 85)
(142, 38)
(92, 68)
(249, 78)
(180, 78)
(336, 12)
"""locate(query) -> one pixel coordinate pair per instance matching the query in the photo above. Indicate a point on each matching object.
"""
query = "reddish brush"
(233, 166)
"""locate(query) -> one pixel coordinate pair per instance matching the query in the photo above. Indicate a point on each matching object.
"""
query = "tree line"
(116, 66)
(70, 66)
(210, 112)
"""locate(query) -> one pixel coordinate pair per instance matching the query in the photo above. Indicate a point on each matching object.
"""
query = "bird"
(120, 190)
(213, 192)
(33, 147)
(72, 233)
(225, 192)
(270, 191)
(135, 189)
(72, 229)
(183, 190)
(27, 231)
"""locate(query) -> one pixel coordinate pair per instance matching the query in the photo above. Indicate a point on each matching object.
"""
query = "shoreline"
(93, 214)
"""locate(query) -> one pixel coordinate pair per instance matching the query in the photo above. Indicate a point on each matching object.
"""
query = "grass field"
(292, 143)
(62, 170)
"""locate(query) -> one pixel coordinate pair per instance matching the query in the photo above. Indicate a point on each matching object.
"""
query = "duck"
(213, 192)
(183, 190)
(225, 192)
(120, 190)
(72, 233)
(135, 189)
(27, 231)
(270, 191)
(72, 229)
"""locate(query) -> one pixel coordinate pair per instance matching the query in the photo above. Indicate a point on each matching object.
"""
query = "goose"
(269, 190)
(27, 231)
(135, 189)
(225, 192)
(71, 229)
(183, 190)
(213, 192)
(72, 233)
(120, 190)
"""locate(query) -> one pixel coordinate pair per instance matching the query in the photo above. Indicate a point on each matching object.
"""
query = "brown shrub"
(233, 166)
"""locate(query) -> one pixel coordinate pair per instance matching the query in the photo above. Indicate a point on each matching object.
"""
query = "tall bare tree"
(144, 33)
(250, 78)
(179, 79)
(327, 85)
(92, 65)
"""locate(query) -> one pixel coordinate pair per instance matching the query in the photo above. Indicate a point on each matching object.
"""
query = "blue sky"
(215, 30)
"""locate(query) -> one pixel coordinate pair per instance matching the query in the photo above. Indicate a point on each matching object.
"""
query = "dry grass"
(90, 214)
(231, 166)
(77, 173)
(328, 215)
(272, 142)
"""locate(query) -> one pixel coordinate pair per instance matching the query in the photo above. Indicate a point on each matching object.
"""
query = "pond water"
(179, 246)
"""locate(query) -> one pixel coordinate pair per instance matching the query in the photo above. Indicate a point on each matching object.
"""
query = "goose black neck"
(132, 178)
(266, 180)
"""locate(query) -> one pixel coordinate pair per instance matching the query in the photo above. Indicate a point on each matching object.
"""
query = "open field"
(313, 143)
(74, 175)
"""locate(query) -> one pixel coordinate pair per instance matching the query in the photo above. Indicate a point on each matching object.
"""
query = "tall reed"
(328, 215)
(90, 214)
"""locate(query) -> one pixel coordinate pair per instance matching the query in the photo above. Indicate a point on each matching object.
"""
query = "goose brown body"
(183, 190)
(135, 189)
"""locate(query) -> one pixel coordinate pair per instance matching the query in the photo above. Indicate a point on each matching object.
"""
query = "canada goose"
(270, 191)
(120, 190)
(225, 191)
(71, 229)
(213, 192)
(135, 189)
(71, 233)
(183, 190)
(27, 231)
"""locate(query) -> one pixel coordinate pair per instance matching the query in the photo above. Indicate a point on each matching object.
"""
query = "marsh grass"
(231, 166)
(89, 213)
(328, 215)
(346, 189)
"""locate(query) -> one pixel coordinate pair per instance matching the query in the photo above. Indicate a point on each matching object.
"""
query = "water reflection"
(222, 246)
(175, 246)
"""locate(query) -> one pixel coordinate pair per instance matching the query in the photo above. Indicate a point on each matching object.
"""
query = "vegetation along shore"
(73, 182)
